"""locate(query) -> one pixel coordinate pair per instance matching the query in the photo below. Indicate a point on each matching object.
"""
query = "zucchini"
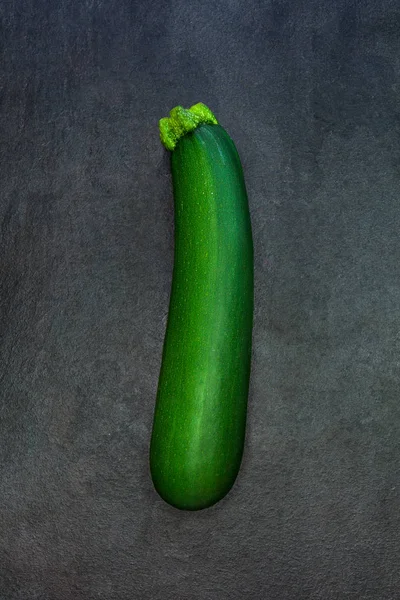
(200, 413)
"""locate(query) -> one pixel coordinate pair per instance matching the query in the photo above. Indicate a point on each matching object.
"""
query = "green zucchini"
(200, 413)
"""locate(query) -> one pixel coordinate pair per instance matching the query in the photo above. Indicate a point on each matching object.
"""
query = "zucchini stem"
(182, 121)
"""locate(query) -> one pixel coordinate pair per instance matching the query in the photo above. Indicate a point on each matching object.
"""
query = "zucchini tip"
(182, 121)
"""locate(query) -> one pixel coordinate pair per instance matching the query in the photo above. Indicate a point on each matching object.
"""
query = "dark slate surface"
(310, 93)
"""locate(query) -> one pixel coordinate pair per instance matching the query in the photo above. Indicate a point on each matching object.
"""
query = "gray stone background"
(309, 91)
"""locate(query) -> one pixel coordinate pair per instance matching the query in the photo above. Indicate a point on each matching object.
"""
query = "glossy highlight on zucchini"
(200, 413)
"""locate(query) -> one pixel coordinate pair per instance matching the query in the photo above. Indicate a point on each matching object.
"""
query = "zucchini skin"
(200, 414)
